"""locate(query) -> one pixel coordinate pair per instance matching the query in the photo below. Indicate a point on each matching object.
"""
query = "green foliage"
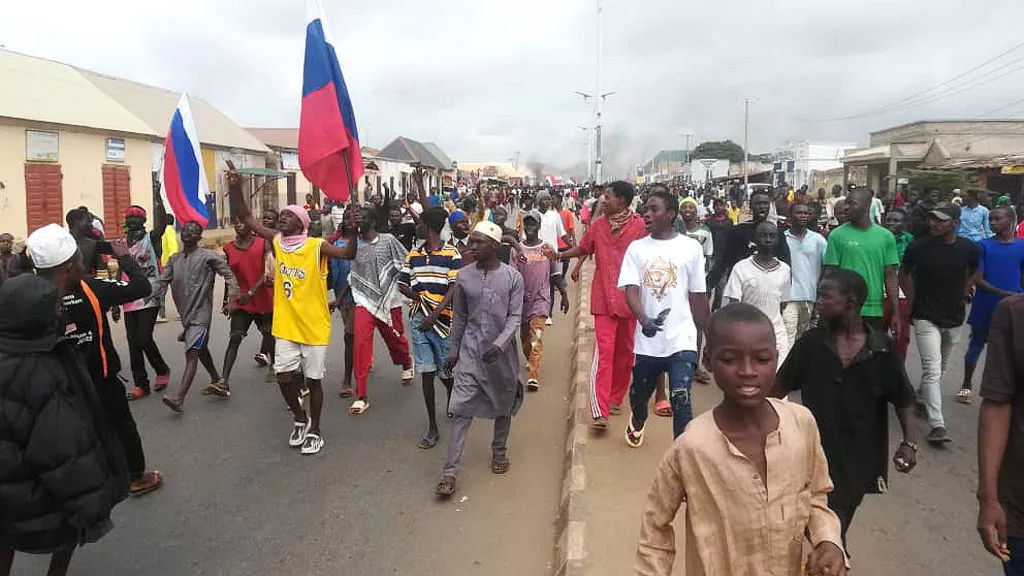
(722, 150)
(943, 180)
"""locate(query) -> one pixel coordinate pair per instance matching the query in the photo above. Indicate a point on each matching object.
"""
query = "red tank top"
(247, 266)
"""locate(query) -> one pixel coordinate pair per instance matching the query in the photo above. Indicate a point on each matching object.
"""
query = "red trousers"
(902, 339)
(362, 354)
(612, 368)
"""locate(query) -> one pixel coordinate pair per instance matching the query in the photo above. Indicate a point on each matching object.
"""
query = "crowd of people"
(765, 295)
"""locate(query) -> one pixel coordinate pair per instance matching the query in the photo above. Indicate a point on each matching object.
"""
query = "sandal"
(148, 482)
(663, 408)
(500, 465)
(407, 376)
(964, 396)
(173, 404)
(218, 388)
(345, 392)
(161, 381)
(599, 424)
(428, 442)
(136, 393)
(615, 409)
(446, 487)
(359, 406)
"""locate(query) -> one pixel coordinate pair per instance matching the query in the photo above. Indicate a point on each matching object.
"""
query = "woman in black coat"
(61, 469)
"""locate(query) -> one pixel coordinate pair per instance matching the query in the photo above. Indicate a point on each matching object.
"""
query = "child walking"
(730, 459)
(763, 281)
(540, 275)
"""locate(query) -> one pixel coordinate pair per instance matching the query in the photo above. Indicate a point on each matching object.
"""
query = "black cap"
(946, 212)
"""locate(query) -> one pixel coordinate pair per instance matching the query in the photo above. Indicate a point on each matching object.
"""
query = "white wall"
(699, 172)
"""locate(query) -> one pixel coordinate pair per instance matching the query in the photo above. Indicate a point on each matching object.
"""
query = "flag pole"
(353, 193)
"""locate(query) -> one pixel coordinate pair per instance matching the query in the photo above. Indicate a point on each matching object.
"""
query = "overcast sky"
(487, 78)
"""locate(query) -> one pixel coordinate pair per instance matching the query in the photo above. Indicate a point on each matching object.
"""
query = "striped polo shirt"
(429, 274)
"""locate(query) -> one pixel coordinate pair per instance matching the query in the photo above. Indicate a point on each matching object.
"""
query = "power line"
(910, 99)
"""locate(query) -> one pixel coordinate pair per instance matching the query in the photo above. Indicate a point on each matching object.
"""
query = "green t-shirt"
(868, 253)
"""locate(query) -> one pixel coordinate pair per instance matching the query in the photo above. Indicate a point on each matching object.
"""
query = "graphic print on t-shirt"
(659, 276)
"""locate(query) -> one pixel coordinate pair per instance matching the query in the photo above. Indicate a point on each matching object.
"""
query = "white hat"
(50, 246)
(489, 229)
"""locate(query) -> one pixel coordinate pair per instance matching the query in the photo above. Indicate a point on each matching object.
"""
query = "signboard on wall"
(1012, 170)
(115, 150)
(42, 145)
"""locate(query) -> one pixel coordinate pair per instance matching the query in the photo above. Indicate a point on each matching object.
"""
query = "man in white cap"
(86, 301)
(482, 354)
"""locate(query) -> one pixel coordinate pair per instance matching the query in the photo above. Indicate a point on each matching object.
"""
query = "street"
(924, 525)
(238, 501)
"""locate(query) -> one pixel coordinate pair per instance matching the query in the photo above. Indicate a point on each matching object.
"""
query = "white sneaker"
(313, 444)
(299, 432)
(532, 385)
(549, 322)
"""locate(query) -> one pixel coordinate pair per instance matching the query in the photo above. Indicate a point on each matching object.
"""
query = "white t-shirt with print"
(667, 272)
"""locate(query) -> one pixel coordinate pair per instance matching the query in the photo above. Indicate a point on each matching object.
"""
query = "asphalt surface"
(238, 500)
(925, 525)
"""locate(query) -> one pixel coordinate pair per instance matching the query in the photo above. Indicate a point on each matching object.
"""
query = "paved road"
(237, 500)
(924, 525)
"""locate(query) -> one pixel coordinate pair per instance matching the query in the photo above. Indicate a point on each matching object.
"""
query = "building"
(292, 187)
(439, 170)
(803, 163)
(666, 165)
(71, 137)
(514, 175)
(934, 143)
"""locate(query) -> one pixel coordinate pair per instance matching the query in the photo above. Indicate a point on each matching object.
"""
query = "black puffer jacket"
(61, 469)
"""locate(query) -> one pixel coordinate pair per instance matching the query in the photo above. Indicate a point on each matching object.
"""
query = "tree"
(943, 180)
(723, 150)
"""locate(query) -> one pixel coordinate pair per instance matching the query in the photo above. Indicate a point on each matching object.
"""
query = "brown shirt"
(1004, 367)
(734, 525)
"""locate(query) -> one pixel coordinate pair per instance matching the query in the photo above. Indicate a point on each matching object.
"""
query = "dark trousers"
(845, 506)
(564, 281)
(138, 326)
(119, 417)
(1015, 567)
(646, 371)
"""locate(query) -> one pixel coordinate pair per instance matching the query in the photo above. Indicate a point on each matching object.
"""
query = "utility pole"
(746, 153)
(590, 152)
(600, 97)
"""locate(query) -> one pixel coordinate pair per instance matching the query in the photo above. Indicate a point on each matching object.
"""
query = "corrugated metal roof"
(48, 91)
(436, 152)
(277, 137)
(979, 163)
(411, 152)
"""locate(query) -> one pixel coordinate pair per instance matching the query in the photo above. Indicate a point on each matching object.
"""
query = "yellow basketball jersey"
(300, 294)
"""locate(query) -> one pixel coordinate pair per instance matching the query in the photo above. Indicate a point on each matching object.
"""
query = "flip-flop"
(407, 376)
(428, 442)
(161, 381)
(345, 392)
(663, 408)
(615, 409)
(150, 481)
(172, 404)
(359, 406)
(446, 487)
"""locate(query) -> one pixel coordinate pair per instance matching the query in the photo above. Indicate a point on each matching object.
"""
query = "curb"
(571, 524)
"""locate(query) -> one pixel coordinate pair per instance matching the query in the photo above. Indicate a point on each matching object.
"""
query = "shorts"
(241, 320)
(195, 337)
(348, 317)
(429, 349)
(291, 356)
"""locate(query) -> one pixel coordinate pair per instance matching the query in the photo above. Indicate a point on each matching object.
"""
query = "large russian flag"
(184, 187)
(329, 152)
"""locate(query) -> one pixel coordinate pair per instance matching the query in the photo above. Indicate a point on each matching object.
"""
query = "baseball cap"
(946, 212)
(50, 246)
(456, 216)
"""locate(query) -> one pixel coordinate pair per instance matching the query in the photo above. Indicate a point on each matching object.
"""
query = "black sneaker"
(938, 436)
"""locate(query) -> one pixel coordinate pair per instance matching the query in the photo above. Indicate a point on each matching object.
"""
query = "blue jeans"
(429, 349)
(646, 370)
(1015, 567)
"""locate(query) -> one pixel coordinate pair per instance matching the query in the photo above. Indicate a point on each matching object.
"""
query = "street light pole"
(688, 136)
(746, 152)
(600, 97)
(590, 152)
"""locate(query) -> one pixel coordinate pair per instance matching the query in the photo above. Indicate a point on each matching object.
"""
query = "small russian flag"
(183, 181)
(329, 152)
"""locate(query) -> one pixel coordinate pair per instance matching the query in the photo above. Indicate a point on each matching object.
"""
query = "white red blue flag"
(329, 152)
(184, 187)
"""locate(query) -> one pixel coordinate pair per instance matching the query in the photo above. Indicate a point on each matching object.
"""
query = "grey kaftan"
(488, 309)
(191, 277)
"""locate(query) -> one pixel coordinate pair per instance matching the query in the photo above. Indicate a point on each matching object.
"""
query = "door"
(291, 191)
(117, 197)
(44, 195)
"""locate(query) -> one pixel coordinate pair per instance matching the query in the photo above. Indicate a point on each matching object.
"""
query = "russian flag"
(329, 152)
(184, 187)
